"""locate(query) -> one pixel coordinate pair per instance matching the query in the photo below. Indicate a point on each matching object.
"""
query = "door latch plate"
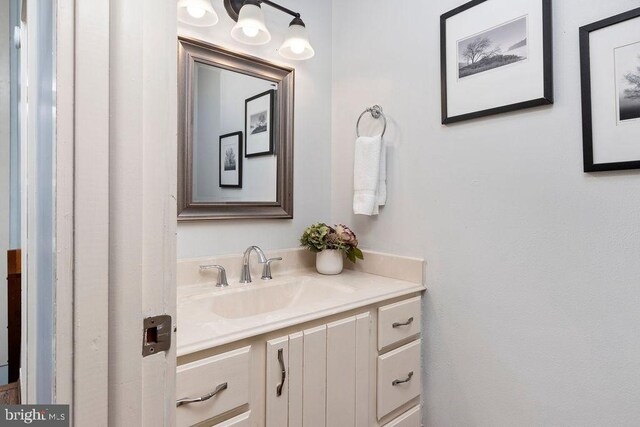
(156, 336)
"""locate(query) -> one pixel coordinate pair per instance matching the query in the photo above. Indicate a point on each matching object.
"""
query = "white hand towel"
(366, 174)
(382, 179)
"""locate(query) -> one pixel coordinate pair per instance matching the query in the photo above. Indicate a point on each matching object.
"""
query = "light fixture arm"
(281, 8)
(233, 7)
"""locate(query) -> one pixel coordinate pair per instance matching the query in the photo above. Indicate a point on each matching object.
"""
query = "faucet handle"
(266, 271)
(222, 274)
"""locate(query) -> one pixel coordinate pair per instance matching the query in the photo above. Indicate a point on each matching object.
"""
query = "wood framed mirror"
(235, 135)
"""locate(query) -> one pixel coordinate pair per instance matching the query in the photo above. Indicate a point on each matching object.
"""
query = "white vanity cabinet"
(357, 368)
(320, 376)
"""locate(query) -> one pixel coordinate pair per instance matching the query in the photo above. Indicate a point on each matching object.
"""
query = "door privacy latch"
(156, 335)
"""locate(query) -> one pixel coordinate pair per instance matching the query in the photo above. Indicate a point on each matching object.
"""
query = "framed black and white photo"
(259, 121)
(495, 56)
(230, 160)
(610, 70)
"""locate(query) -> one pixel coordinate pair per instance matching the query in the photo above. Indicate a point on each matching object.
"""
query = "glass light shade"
(198, 13)
(250, 28)
(296, 45)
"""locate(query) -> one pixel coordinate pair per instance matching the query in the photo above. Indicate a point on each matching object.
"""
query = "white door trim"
(63, 392)
(91, 213)
(24, 363)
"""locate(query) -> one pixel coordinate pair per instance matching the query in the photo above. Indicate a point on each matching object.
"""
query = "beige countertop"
(209, 316)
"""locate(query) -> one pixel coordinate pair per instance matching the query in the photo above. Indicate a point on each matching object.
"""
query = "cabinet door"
(327, 371)
(363, 369)
(341, 372)
(315, 377)
(277, 388)
(296, 354)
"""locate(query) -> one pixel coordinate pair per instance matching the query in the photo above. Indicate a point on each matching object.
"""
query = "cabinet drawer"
(241, 420)
(399, 378)
(399, 321)
(411, 418)
(204, 376)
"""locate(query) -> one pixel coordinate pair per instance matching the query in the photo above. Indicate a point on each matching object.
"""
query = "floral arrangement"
(320, 236)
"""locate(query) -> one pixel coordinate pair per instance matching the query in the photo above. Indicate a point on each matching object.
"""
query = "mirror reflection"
(235, 135)
(234, 151)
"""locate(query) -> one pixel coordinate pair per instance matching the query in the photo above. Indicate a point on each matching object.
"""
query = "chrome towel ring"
(376, 113)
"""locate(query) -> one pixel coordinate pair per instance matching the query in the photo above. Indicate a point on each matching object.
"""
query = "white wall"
(531, 317)
(206, 125)
(312, 150)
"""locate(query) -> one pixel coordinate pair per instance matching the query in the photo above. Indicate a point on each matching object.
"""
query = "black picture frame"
(547, 97)
(585, 78)
(239, 144)
(271, 93)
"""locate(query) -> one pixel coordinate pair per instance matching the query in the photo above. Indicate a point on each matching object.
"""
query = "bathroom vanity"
(302, 349)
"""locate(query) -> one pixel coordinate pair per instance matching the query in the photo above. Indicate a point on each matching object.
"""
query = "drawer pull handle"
(406, 380)
(283, 371)
(407, 323)
(204, 398)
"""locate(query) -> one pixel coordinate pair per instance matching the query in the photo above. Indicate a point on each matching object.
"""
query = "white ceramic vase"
(329, 261)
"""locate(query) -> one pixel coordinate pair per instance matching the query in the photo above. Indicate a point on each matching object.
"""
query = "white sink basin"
(259, 300)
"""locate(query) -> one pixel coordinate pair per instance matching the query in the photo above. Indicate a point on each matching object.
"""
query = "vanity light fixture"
(296, 45)
(199, 13)
(251, 29)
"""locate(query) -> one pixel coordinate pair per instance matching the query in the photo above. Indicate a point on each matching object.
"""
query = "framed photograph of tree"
(230, 160)
(610, 70)
(259, 120)
(495, 56)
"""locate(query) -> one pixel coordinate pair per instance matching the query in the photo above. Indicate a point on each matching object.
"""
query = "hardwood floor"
(10, 394)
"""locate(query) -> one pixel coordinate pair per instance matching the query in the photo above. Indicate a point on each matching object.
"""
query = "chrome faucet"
(245, 276)
(266, 270)
(222, 274)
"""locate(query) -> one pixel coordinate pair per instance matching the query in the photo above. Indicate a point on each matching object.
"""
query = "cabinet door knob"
(406, 380)
(204, 398)
(398, 324)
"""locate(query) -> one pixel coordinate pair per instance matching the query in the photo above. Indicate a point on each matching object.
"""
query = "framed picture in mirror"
(258, 119)
(230, 160)
(610, 71)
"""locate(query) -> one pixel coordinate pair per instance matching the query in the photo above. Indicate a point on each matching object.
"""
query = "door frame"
(80, 356)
